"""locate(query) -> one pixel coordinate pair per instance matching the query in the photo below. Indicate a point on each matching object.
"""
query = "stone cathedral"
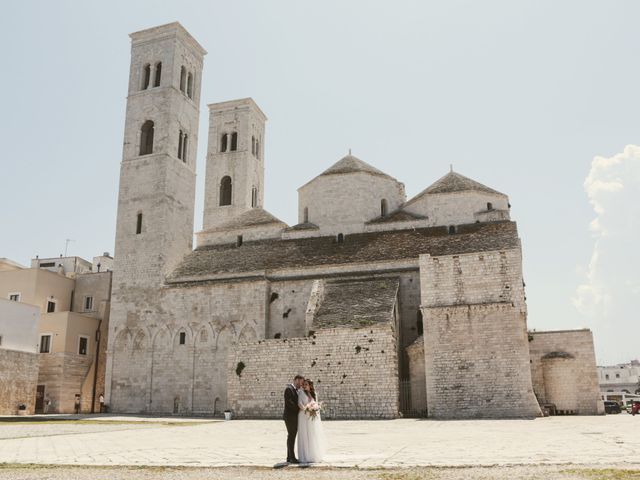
(393, 306)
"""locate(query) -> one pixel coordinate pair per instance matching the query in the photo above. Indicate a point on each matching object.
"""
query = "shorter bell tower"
(234, 180)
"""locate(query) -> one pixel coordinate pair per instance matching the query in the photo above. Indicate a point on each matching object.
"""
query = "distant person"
(77, 404)
(47, 404)
(101, 400)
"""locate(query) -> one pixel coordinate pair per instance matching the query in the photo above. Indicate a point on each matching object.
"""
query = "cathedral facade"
(369, 294)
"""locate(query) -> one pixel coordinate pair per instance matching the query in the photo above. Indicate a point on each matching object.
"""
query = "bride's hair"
(312, 390)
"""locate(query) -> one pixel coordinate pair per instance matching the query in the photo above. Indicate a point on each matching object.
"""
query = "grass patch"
(605, 473)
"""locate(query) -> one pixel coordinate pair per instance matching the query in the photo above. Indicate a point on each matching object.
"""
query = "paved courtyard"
(136, 441)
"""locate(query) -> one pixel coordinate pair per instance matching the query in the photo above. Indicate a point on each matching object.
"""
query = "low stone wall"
(564, 372)
(18, 376)
(355, 372)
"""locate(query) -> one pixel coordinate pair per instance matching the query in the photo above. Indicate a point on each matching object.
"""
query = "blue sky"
(519, 95)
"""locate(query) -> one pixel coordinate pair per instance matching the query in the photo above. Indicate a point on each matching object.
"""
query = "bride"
(310, 436)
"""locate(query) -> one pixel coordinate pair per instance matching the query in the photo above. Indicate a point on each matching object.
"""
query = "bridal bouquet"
(313, 408)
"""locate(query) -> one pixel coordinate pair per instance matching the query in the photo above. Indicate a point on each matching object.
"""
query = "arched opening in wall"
(305, 215)
(216, 406)
(156, 80)
(419, 323)
(225, 191)
(383, 207)
(257, 149)
(340, 238)
(139, 224)
(254, 197)
(180, 138)
(224, 141)
(489, 206)
(239, 241)
(183, 78)
(234, 141)
(452, 229)
(146, 138)
(190, 85)
(146, 76)
(253, 145)
(183, 338)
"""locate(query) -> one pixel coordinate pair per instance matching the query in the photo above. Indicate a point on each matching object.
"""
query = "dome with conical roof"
(347, 195)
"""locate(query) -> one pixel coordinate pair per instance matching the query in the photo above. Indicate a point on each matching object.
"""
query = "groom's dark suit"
(290, 417)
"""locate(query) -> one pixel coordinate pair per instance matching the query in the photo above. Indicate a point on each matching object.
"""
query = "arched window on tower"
(254, 197)
(305, 215)
(253, 145)
(146, 76)
(224, 141)
(257, 148)
(180, 138)
(234, 141)
(225, 191)
(156, 80)
(146, 138)
(383, 207)
(419, 323)
(183, 78)
(190, 85)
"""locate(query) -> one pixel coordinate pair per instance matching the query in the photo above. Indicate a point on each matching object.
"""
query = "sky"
(537, 99)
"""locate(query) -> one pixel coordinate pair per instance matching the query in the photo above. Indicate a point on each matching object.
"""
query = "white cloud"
(610, 295)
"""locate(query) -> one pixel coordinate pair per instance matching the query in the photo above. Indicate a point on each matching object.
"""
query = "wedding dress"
(311, 446)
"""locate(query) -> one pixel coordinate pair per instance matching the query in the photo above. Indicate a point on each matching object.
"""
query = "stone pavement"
(602, 440)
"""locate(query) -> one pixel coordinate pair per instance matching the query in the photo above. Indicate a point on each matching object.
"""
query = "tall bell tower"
(234, 180)
(154, 227)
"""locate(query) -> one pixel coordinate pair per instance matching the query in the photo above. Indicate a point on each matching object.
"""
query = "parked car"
(611, 407)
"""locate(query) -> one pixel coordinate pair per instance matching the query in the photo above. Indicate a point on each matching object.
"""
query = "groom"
(290, 416)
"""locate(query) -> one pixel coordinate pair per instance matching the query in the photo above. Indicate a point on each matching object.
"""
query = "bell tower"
(234, 181)
(154, 226)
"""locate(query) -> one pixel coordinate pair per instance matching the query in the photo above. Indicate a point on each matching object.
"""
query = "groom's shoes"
(293, 460)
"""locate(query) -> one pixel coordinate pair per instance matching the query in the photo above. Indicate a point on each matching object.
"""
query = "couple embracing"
(302, 418)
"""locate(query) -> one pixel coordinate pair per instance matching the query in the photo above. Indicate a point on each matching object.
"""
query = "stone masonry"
(562, 371)
(476, 350)
(355, 372)
(18, 376)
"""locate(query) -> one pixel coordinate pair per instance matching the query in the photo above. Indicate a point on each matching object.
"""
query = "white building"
(620, 378)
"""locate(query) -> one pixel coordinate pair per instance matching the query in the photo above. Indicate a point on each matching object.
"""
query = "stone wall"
(18, 376)
(476, 350)
(64, 375)
(457, 208)
(153, 372)
(564, 372)
(355, 372)
(342, 203)
(417, 379)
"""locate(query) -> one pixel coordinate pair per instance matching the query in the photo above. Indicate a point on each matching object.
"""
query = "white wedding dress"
(311, 445)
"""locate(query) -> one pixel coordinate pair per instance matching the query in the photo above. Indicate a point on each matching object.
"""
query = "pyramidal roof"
(250, 218)
(454, 182)
(351, 164)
